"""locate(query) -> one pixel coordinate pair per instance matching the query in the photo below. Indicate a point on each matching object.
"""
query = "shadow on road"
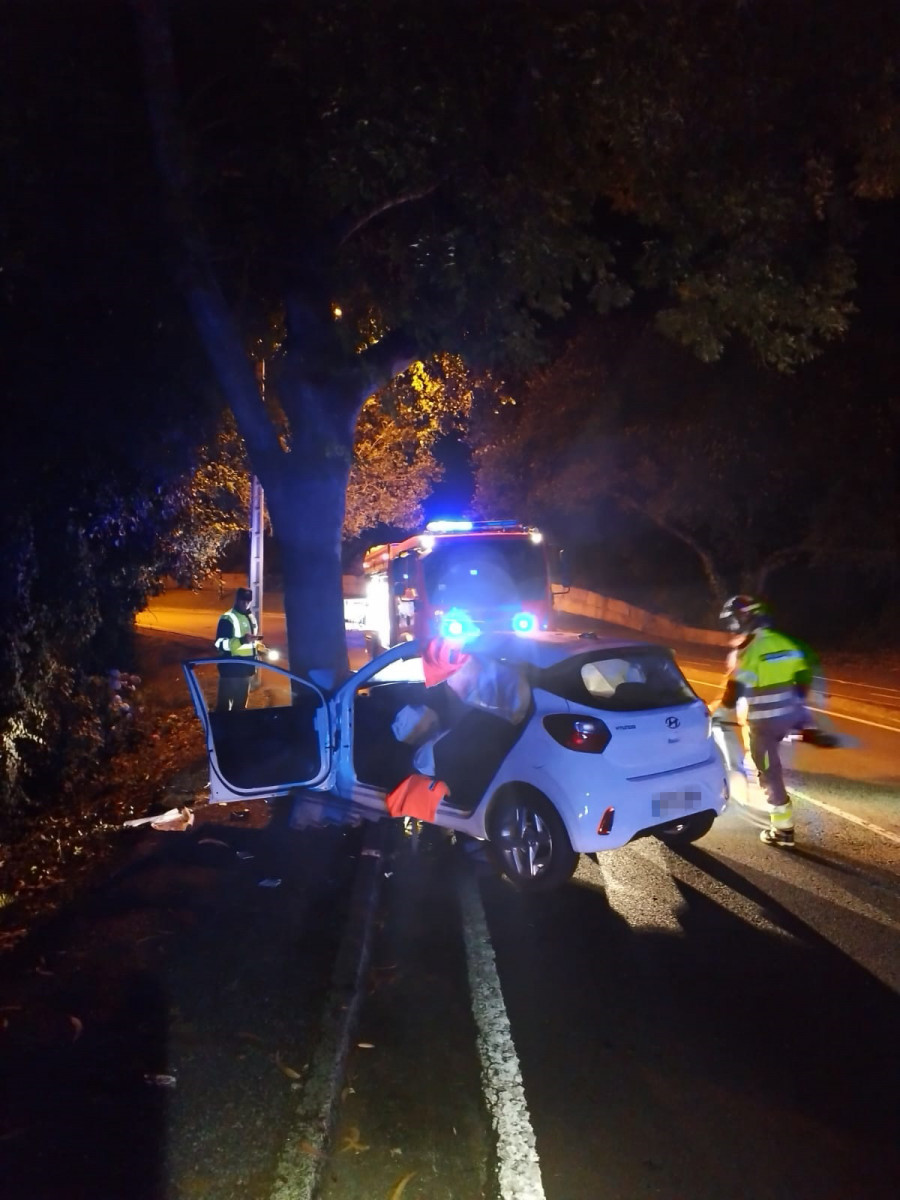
(154, 1035)
(680, 1050)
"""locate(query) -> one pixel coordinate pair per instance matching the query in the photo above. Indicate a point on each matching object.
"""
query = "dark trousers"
(233, 692)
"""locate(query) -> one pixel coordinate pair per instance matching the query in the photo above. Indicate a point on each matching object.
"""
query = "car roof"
(545, 649)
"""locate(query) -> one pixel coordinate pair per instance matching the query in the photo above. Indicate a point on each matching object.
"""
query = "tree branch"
(214, 321)
(387, 359)
(713, 578)
(406, 198)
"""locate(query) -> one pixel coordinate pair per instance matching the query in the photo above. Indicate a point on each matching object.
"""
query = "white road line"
(517, 1158)
(870, 687)
(839, 812)
(835, 716)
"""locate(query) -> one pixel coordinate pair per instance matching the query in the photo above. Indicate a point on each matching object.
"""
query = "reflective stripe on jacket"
(234, 625)
(772, 671)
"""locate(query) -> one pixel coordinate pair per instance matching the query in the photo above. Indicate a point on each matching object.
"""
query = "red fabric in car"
(417, 796)
(441, 659)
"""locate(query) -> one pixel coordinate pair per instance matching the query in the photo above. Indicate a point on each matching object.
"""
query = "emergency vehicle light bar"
(470, 526)
(449, 526)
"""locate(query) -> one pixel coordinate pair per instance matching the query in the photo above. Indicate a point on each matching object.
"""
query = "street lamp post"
(257, 501)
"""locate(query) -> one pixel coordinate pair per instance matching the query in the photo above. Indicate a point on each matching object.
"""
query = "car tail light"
(606, 821)
(578, 733)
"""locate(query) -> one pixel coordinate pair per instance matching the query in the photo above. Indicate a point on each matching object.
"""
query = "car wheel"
(691, 829)
(529, 840)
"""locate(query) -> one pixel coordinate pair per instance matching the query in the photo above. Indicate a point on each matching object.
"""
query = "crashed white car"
(555, 745)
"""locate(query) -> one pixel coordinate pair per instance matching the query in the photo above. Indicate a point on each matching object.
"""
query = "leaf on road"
(352, 1142)
(400, 1186)
(284, 1068)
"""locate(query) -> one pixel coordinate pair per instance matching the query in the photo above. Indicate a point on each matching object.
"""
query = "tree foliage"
(456, 175)
(394, 464)
(751, 471)
(102, 397)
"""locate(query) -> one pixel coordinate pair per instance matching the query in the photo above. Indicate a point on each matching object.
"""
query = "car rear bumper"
(641, 806)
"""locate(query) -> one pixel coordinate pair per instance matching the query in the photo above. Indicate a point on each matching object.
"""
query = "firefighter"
(236, 637)
(768, 683)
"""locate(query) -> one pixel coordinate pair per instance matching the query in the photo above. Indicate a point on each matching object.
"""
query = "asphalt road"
(715, 1023)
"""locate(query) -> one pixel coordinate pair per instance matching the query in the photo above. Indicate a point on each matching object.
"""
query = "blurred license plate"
(671, 803)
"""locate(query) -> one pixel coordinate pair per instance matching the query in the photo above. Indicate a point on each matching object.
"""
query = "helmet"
(743, 614)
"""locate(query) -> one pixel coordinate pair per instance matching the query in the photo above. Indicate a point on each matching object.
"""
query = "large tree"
(386, 180)
(751, 471)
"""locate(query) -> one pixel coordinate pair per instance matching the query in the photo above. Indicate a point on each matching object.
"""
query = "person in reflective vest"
(236, 637)
(768, 684)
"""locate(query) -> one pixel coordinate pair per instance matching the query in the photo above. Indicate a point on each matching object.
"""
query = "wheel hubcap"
(525, 842)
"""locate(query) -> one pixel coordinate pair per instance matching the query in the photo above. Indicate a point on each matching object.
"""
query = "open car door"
(280, 741)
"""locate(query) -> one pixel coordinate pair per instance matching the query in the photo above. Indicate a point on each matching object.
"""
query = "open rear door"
(280, 741)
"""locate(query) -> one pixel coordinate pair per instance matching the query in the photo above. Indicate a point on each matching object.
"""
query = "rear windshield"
(621, 680)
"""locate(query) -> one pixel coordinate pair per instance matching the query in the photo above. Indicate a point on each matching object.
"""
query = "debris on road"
(176, 820)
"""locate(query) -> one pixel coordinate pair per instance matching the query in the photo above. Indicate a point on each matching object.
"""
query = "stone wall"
(582, 603)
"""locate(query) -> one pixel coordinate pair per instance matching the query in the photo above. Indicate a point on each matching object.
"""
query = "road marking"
(836, 716)
(870, 687)
(839, 812)
(518, 1167)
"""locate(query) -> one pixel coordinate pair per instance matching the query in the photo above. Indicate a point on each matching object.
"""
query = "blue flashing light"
(449, 527)
(458, 625)
(524, 622)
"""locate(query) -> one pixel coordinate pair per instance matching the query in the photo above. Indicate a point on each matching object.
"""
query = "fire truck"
(457, 579)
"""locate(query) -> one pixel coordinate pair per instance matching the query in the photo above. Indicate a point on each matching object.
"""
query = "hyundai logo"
(672, 722)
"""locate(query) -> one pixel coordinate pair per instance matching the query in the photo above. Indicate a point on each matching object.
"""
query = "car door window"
(401, 670)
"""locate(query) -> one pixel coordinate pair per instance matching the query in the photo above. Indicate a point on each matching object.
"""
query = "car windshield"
(622, 680)
(478, 571)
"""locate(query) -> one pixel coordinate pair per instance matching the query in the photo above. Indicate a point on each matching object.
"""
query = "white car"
(610, 744)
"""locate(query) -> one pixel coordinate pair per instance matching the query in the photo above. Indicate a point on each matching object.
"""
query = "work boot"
(783, 838)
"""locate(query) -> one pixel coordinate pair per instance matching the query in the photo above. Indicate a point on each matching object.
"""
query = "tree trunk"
(306, 505)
